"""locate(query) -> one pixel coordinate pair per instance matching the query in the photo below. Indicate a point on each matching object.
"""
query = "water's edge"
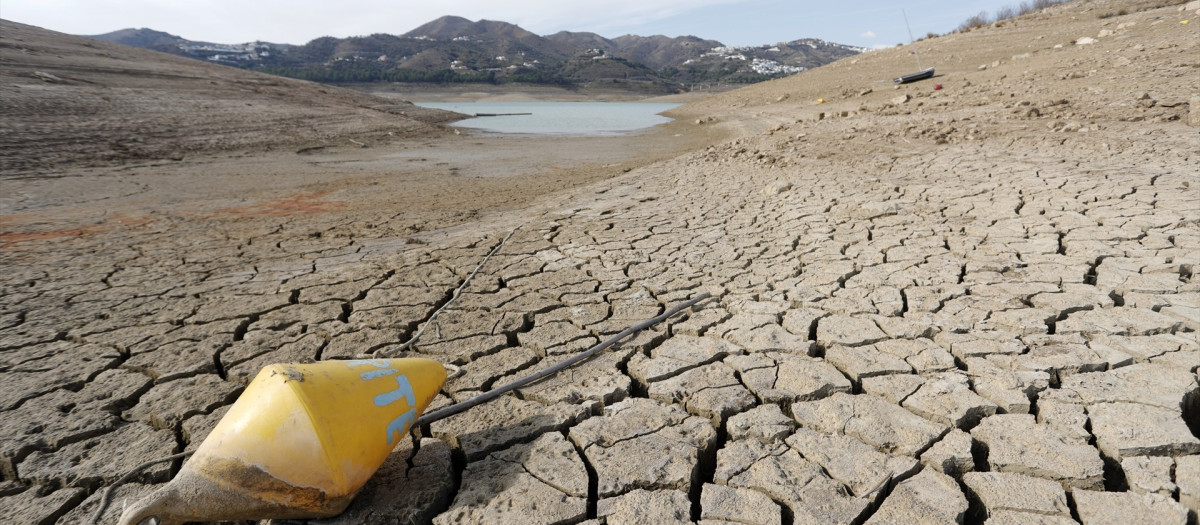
(559, 118)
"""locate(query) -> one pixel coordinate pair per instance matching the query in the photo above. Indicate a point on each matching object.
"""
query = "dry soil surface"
(962, 305)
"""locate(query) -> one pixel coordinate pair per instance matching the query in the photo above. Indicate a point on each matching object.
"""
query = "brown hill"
(448, 27)
(662, 51)
(74, 99)
(1095, 63)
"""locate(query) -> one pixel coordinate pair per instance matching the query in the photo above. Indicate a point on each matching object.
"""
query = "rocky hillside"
(454, 49)
(78, 100)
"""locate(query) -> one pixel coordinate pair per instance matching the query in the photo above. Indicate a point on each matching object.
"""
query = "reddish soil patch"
(11, 237)
(296, 204)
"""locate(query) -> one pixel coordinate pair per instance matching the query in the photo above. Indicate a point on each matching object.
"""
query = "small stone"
(776, 188)
(1085, 41)
(901, 99)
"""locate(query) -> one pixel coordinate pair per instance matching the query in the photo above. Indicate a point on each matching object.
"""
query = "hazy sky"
(735, 22)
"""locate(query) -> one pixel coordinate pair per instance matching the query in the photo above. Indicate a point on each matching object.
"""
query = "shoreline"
(399, 185)
(420, 93)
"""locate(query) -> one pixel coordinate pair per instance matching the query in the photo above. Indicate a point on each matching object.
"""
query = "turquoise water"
(559, 118)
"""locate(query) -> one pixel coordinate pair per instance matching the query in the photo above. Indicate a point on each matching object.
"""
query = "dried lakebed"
(869, 344)
(974, 312)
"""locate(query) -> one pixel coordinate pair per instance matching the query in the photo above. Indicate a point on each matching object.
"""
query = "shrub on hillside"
(1005, 13)
(979, 20)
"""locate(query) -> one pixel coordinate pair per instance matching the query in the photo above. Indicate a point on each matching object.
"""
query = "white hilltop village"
(765, 66)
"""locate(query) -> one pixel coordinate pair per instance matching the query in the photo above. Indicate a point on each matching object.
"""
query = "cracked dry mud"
(941, 309)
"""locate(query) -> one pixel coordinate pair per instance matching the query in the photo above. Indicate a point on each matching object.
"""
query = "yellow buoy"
(299, 442)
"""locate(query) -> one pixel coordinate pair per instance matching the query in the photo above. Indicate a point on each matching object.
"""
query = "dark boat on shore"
(922, 75)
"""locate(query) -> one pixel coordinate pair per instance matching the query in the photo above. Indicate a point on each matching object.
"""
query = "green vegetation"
(457, 51)
(349, 73)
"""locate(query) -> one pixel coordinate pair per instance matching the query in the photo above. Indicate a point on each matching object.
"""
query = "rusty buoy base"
(249, 494)
(299, 442)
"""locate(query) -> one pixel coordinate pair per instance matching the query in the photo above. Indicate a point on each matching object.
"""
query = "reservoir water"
(559, 118)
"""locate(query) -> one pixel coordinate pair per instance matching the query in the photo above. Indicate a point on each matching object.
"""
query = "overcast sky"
(868, 23)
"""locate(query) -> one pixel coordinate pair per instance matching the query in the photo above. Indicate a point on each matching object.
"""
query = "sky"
(866, 23)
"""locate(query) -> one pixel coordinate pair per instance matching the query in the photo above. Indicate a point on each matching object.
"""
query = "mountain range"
(455, 49)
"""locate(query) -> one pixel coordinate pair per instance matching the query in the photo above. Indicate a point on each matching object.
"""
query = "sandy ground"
(401, 187)
(966, 305)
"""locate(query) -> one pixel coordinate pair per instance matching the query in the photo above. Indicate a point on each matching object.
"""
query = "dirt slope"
(67, 99)
(998, 73)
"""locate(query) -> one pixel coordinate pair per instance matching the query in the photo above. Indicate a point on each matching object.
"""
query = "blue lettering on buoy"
(404, 390)
(399, 426)
(367, 376)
